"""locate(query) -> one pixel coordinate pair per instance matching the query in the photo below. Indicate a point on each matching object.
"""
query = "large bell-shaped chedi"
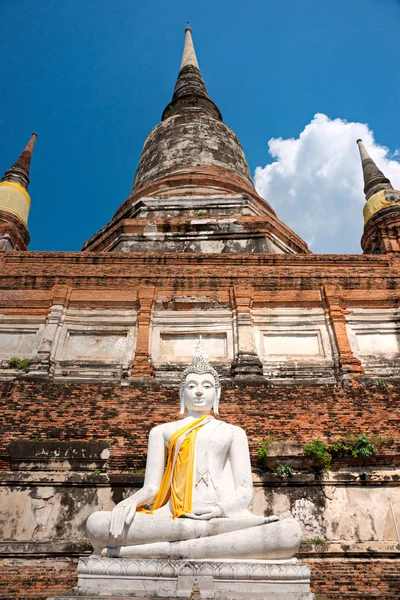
(193, 190)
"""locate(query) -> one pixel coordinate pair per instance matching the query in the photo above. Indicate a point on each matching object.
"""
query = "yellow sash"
(177, 482)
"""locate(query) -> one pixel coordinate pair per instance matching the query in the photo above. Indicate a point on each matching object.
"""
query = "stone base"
(217, 579)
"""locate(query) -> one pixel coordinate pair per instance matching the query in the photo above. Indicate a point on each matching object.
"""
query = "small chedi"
(189, 525)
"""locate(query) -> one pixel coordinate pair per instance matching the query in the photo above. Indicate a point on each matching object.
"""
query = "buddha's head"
(200, 387)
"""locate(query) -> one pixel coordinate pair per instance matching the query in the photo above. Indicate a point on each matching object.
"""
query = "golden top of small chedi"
(15, 201)
(382, 209)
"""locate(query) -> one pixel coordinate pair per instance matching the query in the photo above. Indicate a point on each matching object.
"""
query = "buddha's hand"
(205, 513)
(123, 514)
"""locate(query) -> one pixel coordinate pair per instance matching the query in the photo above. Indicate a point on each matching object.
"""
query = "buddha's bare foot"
(271, 519)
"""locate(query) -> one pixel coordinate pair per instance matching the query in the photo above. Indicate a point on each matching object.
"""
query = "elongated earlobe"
(216, 402)
(182, 410)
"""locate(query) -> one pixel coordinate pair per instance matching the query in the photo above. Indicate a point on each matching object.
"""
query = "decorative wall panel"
(20, 336)
(295, 344)
(374, 336)
(175, 334)
(95, 343)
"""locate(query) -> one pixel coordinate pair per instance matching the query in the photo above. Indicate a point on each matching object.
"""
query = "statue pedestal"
(142, 578)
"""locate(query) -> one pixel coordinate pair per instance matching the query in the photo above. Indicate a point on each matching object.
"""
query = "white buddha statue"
(197, 487)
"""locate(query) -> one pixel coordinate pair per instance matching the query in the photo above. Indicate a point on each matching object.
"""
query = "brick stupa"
(193, 191)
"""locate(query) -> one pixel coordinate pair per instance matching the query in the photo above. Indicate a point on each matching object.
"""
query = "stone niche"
(20, 337)
(374, 336)
(95, 343)
(57, 455)
(295, 345)
(176, 333)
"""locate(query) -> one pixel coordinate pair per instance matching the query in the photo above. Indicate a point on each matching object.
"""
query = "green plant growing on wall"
(320, 450)
(16, 362)
(364, 447)
(340, 448)
(382, 383)
(201, 213)
(356, 446)
(263, 450)
(24, 365)
(315, 541)
(97, 471)
(284, 471)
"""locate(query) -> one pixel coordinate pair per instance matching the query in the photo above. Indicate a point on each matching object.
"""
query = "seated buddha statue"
(197, 489)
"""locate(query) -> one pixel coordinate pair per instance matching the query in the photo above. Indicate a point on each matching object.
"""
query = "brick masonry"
(333, 579)
(36, 578)
(123, 416)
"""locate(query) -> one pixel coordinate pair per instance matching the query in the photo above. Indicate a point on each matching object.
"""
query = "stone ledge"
(28, 550)
(325, 549)
(336, 260)
(70, 478)
(362, 476)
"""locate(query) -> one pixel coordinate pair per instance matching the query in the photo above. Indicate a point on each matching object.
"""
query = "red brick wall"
(333, 579)
(364, 280)
(36, 578)
(123, 416)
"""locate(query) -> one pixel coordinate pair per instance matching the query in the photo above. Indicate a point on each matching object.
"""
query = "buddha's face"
(200, 392)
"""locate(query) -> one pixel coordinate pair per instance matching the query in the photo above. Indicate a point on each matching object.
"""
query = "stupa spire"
(190, 91)
(19, 172)
(374, 179)
(189, 54)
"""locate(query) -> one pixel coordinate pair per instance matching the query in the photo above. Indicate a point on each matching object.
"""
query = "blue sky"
(93, 76)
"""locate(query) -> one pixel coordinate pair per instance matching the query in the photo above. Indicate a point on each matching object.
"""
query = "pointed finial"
(200, 363)
(190, 92)
(374, 179)
(363, 153)
(19, 172)
(189, 55)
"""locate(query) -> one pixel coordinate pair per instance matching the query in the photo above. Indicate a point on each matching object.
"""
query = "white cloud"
(316, 186)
